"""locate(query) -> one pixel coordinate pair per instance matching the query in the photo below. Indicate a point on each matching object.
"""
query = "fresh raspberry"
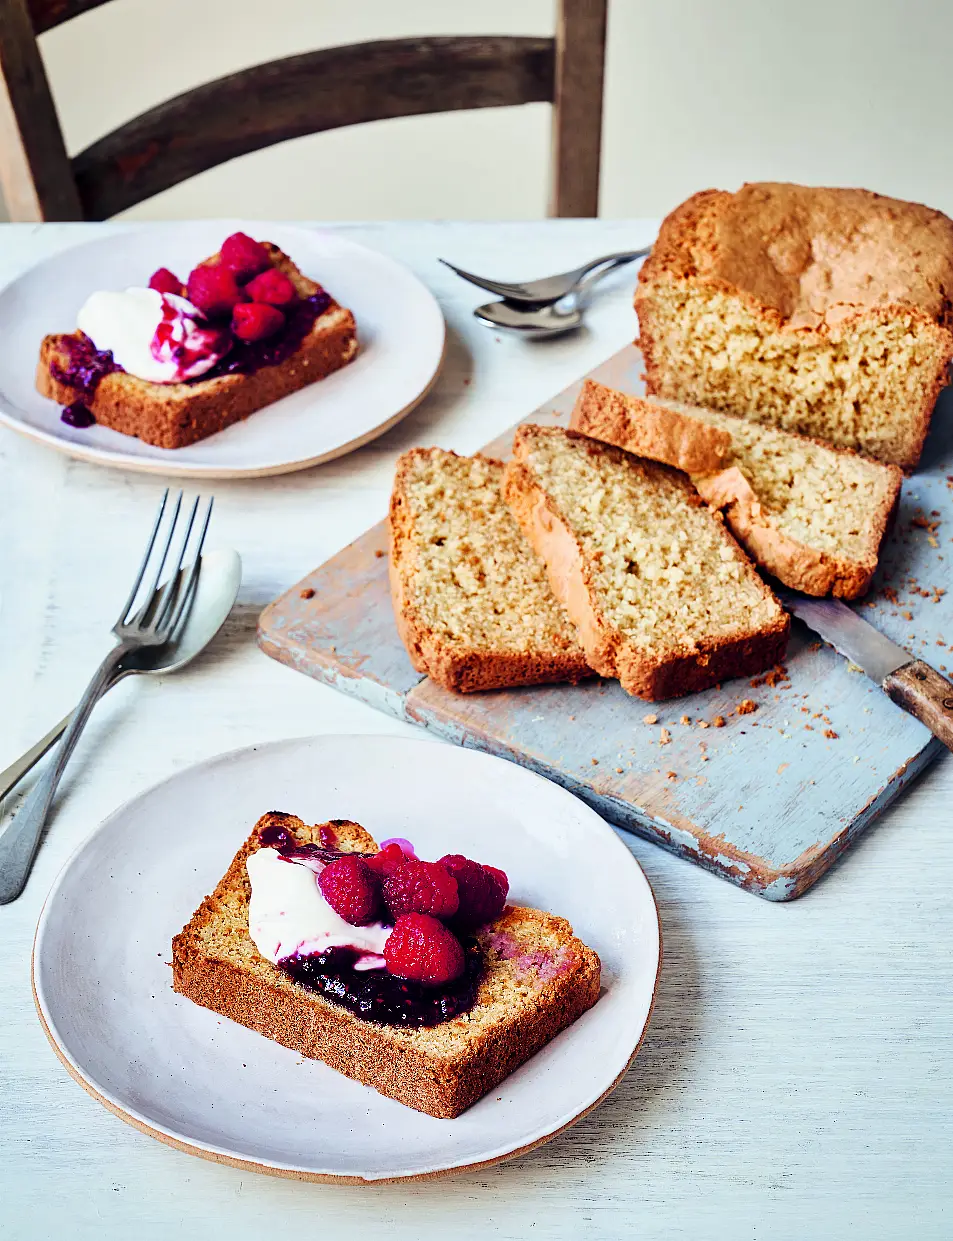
(213, 289)
(499, 876)
(421, 888)
(352, 890)
(255, 320)
(421, 948)
(273, 287)
(165, 281)
(244, 256)
(390, 858)
(482, 890)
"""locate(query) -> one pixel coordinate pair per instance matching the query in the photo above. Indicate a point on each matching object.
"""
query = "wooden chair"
(289, 98)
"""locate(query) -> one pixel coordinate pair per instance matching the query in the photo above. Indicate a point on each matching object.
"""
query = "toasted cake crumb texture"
(467, 585)
(660, 593)
(812, 515)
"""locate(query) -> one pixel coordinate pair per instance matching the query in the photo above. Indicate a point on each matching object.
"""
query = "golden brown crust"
(673, 437)
(176, 415)
(821, 264)
(649, 430)
(810, 254)
(654, 675)
(460, 669)
(442, 1070)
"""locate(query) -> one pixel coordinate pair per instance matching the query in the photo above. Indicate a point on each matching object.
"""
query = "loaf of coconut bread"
(826, 312)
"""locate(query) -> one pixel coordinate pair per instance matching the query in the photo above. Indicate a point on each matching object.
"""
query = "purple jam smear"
(77, 415)
(274, 836)
(85, 367)
(383, 998)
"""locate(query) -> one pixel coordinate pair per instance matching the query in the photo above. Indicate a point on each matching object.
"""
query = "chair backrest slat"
(289, 98)
(303, 95)
(46, 14)
(35, 171)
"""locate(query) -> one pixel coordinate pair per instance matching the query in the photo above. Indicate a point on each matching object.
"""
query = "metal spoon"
(535, 321)
(215, 594)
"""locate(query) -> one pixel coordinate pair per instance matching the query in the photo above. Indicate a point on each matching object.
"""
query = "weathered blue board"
(770, 799)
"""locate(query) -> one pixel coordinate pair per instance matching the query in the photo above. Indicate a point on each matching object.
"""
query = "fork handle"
(18, 844)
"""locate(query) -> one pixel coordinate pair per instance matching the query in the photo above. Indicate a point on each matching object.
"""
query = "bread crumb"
(307, 593)
(783, 767)
(746, 707)
(594, 761)
(907, 615)
(829, 732)
(718, 721)
(379, 553)
(703, 724)
(684, 720)
(664, 737)
(618, 771)
(649, 719)
(670, 775)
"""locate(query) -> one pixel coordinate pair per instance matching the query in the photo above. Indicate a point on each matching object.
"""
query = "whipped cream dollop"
(159, 337)
(287, 913)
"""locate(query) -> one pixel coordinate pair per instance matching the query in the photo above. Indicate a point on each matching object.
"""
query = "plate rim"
(217, 1155)
(120, 460)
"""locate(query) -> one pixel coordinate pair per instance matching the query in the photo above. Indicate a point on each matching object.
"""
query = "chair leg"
(35, 170)
(577, 108)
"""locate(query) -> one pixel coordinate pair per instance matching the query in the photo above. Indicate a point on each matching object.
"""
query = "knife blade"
(909, 682)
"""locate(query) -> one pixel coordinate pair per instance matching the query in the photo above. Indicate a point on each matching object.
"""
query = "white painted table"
(797, 1077)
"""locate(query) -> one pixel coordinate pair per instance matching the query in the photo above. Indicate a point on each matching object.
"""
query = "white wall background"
(699, 93)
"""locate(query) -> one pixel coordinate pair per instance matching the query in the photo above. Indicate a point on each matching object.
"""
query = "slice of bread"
(821, 311)
(661, 595)
(813, 516)
(538, 978)
(175, 415)
(470, 596)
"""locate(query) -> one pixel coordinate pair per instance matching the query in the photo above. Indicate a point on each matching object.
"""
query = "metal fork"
(551, 288)
(153, 624)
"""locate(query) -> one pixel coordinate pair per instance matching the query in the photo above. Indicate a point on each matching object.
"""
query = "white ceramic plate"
(400, 329)
(199, 1082)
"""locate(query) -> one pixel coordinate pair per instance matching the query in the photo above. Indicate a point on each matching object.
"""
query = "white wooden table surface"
(797, 1078)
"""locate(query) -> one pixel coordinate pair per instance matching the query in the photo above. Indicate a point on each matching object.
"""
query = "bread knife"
(909, 682)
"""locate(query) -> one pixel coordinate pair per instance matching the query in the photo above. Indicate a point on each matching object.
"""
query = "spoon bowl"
(551, 320)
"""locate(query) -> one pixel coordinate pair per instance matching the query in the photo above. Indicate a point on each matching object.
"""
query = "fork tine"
(183, 596)
(168, 592)
(145, 560)
(492, 286)
(153, 598)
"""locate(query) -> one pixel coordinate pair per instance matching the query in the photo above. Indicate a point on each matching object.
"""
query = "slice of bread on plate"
(661, 595)
(174, 415)
(537, 978)
(471, 600)
(812, 515)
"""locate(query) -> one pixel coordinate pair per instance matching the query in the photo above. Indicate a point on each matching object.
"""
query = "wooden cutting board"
(768, 799)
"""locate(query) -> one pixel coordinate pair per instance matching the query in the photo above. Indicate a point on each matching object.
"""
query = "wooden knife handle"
(921, 690)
